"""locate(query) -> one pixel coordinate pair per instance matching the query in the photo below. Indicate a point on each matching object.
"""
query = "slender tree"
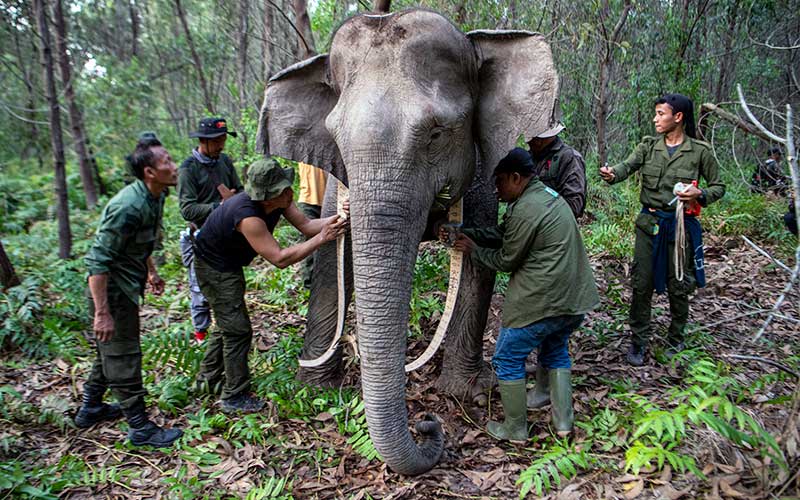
(8, 277)
(56, 135)
(305, 45)
(606, 61)
(382, 5)
(75, 114)
(198, 63)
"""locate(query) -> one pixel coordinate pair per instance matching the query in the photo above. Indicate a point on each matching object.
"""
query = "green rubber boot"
(561, 398)
(540, 394)
(515, 426)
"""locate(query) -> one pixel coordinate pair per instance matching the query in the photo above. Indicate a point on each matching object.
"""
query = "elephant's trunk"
(388, 214)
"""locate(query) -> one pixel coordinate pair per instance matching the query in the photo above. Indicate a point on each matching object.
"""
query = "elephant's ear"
(518, 90)
(292, 121)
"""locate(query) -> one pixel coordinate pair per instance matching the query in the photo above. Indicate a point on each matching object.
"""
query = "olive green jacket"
(197, 186)
(129, 226)
(660, 172)
(539, 243)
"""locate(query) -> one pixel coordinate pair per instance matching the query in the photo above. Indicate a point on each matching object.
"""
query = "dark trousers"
(228, 346)
(312, 212)
(642, 281)
(118, 365)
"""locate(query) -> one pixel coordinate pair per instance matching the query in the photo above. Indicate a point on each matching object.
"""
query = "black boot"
(93, 410)
(635, 356)
(144, 432)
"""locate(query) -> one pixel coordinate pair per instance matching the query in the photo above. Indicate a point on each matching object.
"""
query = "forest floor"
(317, 460)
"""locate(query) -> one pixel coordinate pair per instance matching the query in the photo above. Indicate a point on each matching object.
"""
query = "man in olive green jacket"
(550, 290)
(205, 180)
(675, 156)
(119, 264)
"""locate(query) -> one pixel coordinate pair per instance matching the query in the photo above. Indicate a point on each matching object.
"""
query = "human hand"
(464, 244)
(103, 326)
(346, 208)
(155, 282)
(690, 193)
(225, 192)
(334, 227)
(607, 173)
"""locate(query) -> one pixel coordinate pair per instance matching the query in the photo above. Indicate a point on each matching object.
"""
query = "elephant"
(404, 107)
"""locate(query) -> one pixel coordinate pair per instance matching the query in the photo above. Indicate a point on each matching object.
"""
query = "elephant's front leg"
(464, 371)
(323, 305)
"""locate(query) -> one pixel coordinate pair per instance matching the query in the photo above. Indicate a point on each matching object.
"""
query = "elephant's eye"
(437, 133)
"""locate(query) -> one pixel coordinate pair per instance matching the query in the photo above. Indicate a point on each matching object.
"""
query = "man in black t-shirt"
(234, 233)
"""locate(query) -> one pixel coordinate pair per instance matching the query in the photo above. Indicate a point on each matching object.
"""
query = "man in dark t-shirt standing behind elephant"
(232, 236)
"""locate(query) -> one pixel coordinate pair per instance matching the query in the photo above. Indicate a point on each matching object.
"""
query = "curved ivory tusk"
(454, 215)
(342, 194)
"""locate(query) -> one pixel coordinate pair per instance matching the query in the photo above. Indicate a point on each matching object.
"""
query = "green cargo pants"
(118, 365)
(228, 346)
(312, 212)
(642, 281)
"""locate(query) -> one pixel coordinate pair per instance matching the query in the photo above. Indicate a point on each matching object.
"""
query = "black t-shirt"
(220, 244)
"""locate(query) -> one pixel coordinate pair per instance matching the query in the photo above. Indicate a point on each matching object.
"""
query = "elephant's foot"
(329, 375)
(472, 385)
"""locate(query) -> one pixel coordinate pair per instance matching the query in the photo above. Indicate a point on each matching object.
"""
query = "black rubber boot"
(143, 432)
(242, 403)
(93, 410)
(635, 356)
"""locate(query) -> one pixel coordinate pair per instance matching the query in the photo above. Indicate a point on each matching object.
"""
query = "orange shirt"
(312, 184)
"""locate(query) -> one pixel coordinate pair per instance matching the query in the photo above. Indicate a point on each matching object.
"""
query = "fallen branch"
(766, 361)
(767, 254)
(733, 119)
(727, 320)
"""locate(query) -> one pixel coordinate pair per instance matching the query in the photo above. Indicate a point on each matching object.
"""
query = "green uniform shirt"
(538, 242)
(129, 225)
(660, 172)
(197, 186)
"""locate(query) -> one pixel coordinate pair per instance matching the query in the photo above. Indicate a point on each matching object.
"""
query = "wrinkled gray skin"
(396, 112)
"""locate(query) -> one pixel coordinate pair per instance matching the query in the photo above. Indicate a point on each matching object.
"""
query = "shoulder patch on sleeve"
(551, 192)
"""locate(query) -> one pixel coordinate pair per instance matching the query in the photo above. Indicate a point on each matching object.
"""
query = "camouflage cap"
(266, 179)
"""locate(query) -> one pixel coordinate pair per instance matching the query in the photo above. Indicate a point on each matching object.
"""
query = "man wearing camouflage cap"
(232, 236)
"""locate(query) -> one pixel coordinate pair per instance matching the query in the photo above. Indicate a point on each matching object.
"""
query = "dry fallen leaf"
(633, 489)
(728, 490)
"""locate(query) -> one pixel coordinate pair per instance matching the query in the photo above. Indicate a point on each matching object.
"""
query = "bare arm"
(262, 241)
(103, 322)
(310, 227)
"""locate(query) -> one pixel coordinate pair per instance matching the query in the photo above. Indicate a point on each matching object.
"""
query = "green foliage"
(604, 429)
(545, 472)
(274, 487)
(21, 308)
(640, 456)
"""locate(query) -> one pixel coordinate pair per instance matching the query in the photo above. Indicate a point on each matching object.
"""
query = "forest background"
(118, 68)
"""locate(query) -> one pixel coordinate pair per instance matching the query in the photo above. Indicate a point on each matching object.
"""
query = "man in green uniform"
(550, 290)
(675, 156)
(231, 238)
(119, 265)
(205, 180)
(560, 167)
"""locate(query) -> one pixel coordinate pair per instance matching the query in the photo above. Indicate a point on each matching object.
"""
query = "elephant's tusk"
(341, 194)
(455, 215)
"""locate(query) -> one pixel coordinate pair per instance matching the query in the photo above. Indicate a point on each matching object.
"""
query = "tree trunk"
(56, 136)
(606, 61)
(8, 277)
(382, 5)
(305, 42)
(727, 62)
(134, 29)
(243, 35)
(27, 78)
(198, 63)
(75, 115)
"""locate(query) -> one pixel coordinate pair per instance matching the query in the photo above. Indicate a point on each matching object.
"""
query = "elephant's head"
(396, 112)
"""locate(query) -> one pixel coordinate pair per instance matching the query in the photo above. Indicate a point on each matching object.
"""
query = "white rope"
(680, 241)
(342, 194)
(455, 216)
